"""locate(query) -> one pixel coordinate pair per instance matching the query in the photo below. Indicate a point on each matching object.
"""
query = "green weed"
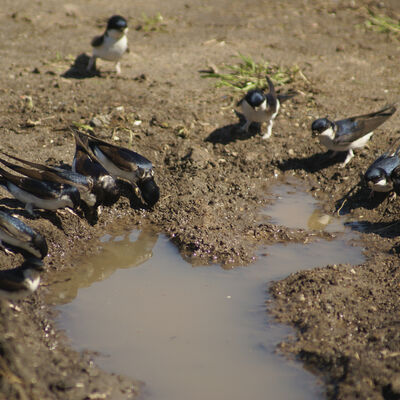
(382, 23)
(153, 24)
(248, 74)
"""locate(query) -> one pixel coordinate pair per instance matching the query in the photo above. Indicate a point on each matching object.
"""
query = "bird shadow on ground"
(383, 229)
(233, 132)
(314, 163)
(359, 196)
(78, 69)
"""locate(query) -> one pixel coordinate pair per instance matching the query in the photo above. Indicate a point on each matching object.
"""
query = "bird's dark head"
(118, 23)
(320, 125)
(39, 242)
(374, 175)
(150, 191)
(255, 97)
(33, 263)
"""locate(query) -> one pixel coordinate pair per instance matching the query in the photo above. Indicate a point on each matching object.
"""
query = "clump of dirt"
(213, 179)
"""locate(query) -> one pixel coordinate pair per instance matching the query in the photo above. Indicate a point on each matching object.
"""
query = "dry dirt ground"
(213, 180)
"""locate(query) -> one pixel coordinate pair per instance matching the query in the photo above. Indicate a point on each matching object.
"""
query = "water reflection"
(295, 208)
(124, 251)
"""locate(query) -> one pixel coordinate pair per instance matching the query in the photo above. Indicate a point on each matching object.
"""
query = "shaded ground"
(347, 318)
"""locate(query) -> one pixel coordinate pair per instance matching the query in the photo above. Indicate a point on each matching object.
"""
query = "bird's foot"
(349, 156)
(14, 307)
(267, 135)
(7, 251)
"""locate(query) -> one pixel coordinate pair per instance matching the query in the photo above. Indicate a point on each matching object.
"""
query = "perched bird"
(350, 133)
(40, 194)
(22, 281)
(383, 175)
(125, 164)
(83, 183)
(85, 163)
(17, 234)
(260, 107)
(112, 44)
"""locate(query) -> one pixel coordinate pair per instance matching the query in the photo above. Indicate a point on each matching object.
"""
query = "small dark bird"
(383, 175)
(85, 163)
(41, 172)
(22, 281)
(125, 164)
(350, 133)
(112, 44)
(17, 234)
(40, 194)
(260, 107)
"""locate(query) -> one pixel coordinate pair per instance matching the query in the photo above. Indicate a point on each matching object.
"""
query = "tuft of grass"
(248, 74)
(83, 127)
(382, 23)
(153, 24)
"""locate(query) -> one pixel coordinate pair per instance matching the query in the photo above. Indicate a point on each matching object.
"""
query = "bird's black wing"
(97, 41)
(125, 159)
(271, 95)
(353, 128)
(15, 228)
(41, 189)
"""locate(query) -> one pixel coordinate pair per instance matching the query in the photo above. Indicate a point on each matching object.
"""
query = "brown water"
(190, 332)
(295, 208)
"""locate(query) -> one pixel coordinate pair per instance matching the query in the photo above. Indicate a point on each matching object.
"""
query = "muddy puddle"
(195, 332)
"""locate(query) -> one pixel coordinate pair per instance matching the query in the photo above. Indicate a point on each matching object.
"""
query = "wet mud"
(213, 180)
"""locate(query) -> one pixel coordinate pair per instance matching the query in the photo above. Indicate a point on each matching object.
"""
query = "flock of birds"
(97, 165)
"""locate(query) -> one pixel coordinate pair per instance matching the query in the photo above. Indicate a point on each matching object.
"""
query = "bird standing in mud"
(260, 107)
(83, 183)
(125, 164)
(383, 175)
(112, 44)
(40, 194)
(22, 281)
(350, 133)
(15, 233)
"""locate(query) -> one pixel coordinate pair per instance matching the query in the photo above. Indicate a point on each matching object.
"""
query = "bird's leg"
(29, 209)
(118, 68)
(349, 156)
(246, 126)
(67, 209)
(392, 196)
(91, 64)
(371, 194)
(269, 129)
